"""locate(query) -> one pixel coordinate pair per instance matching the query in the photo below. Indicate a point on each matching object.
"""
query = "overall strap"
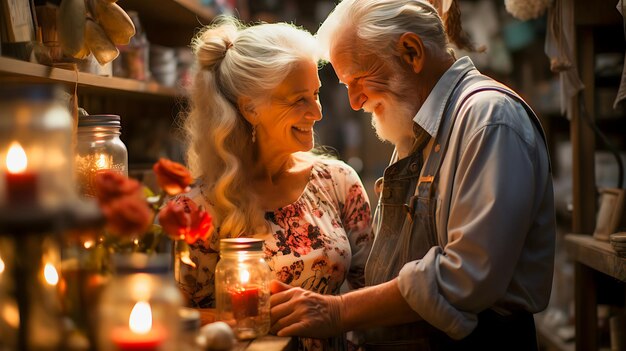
(425, 189)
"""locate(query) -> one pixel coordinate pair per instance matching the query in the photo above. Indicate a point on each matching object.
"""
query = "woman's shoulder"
(332, 165)
(333, 173)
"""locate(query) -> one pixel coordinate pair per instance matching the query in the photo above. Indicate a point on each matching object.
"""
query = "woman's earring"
(253, 134)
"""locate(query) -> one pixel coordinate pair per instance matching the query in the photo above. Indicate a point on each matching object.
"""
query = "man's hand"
(299, 312)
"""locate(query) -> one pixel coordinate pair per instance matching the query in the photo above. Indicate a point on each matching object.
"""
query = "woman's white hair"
(234, 61)
(379, 24)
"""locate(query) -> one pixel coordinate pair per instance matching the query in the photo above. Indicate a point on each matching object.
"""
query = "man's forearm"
(374, 306)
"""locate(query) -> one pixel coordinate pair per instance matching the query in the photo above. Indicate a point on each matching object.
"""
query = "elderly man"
(465, 229)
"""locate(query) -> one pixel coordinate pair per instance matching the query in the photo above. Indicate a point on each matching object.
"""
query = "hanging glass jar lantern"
(242, 290)
(139, 308)
(37, 194)
(98, 148)
(36, 163)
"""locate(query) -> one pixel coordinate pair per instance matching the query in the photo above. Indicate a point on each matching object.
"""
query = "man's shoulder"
(491, 107)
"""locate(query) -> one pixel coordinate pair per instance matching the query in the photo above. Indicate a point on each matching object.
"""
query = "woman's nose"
(316, 112)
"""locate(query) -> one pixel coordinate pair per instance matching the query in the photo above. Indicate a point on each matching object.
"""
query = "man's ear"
(411, 50)
(247, 109)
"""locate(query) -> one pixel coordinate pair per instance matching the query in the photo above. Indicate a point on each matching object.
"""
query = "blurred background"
(546, 50)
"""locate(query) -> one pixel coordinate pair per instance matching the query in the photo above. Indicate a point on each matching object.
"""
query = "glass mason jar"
(242, 289)
(36, 191)
(139, 308)
(36, 158)
(98, 148)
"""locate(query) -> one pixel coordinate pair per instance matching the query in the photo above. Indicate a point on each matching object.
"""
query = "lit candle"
(21, 184)
(50, 274)
(140, 335)
(245, 300)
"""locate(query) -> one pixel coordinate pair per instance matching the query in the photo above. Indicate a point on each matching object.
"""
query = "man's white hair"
(379, 23)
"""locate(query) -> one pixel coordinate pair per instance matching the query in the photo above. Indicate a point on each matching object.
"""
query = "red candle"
(21, 185)
(245, 301)
(128, 340)
(140, 335)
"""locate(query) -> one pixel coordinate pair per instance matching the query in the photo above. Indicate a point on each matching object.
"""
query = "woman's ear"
(247, 109)
(411, 50)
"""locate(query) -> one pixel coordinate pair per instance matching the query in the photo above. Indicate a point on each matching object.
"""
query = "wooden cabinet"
(599, 273)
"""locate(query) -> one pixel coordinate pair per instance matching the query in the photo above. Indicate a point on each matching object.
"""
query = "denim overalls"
(405, 231)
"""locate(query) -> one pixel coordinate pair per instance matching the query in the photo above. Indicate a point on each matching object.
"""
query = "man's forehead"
(344, 55)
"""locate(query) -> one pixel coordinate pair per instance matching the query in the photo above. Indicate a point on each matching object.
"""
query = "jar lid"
(241, 244)
(99, 121)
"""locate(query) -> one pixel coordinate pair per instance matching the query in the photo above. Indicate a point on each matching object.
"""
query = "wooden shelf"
(170, 22)
(179, 12)
(596, 254)
(26, 71)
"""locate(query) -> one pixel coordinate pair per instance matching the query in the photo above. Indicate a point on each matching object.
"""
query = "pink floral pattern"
(316, 243)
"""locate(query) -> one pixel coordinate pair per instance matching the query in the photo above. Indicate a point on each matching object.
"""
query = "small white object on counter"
(216, 336)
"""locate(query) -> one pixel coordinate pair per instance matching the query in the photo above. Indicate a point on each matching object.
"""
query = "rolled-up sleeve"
(491, 211)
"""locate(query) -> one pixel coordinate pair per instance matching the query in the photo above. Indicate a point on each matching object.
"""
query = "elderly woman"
(254, 101)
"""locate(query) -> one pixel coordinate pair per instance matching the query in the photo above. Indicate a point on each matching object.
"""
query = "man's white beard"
(396, 122)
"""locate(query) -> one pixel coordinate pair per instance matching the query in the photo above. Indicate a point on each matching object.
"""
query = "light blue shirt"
(495, 213)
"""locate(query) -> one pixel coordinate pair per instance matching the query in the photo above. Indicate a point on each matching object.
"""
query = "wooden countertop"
(267, 343)
(264, 343)
(596, 254)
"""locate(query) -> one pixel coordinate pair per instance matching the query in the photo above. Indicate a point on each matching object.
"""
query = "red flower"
(111, 185)
(172, 177)
(127, 215)
(183, 219)
(122, 204)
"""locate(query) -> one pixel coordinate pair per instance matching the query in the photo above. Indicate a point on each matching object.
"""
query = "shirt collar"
(429, 115)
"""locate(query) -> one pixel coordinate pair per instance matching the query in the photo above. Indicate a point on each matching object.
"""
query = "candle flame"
(16, 158)
(88, 244)
(51, 274)
(244, 276)
(140, 320)
(102, 162)
(1, 265)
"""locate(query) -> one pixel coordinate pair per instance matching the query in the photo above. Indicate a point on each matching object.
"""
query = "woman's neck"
(271, 167)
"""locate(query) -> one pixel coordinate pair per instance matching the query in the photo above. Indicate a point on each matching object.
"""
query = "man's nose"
(357, 98)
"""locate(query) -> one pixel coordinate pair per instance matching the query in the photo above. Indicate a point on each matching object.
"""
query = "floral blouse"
(315, 243)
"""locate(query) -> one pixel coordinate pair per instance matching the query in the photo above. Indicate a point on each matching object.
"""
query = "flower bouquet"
(129, 211)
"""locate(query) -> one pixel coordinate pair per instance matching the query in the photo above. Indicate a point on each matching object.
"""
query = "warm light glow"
(1, 265)
(11, 315)
(244, 276)
(88, 244)
(140, 320)
(51, 275)
(16, 158)
(103, 162)
(186, 259)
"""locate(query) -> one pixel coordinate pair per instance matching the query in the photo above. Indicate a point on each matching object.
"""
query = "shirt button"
(437, 148)
(414, 167)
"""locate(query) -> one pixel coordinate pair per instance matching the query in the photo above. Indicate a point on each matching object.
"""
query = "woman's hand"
(300, 312)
